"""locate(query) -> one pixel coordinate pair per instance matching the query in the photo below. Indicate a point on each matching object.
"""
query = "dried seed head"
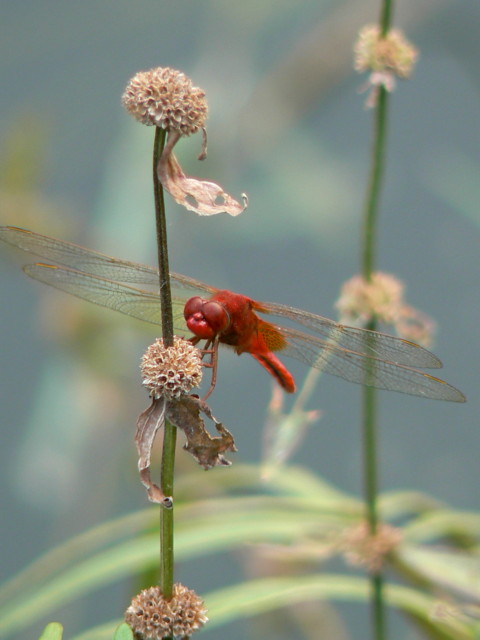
(385, 57)
(390, 53)
(166, 98)
(381, 298)
(171, 371)
(361, 548)
(151, 617)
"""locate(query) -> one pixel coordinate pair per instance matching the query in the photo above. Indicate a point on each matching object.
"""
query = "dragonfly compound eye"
(216, 316)
(192, 306)
(205, 318)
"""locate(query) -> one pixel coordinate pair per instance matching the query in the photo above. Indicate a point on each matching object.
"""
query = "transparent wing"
(362, 341)
(365, 369)
(355, 354)
(94, 263)
(79, 258)
(137, 303)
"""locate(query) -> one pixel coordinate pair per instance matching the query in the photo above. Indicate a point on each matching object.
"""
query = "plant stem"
(374, 184)
(170, 432)
(162, 246)
(369, 418)
(166, 514)
(371, 492)
(386, 16)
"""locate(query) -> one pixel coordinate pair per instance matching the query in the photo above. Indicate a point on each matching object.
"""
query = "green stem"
(166, 517)
(170, 432)
(374, 185)
(386, 16)
(371, 493)
(370, 456)
(162, 246)
(369, 419)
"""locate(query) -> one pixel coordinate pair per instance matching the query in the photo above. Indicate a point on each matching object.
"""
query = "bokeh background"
(287, 125)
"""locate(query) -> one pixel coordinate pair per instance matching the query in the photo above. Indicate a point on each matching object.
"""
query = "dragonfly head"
(205, 318)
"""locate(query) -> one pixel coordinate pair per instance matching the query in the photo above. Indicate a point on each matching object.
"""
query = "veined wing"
(362, 341)
(353, 366)
(137, 303)
(77, 257)
(98, 278)
(94, 263)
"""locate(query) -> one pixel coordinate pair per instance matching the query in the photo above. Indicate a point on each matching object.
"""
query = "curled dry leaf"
(205, 198)
(148, 423)
(206, 449)
(183, 413)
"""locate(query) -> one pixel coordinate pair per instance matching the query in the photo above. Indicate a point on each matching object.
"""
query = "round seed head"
(361, 300)
(151, 617)
(391, 52)
(382, 298)
(171, 371)
(166, 98)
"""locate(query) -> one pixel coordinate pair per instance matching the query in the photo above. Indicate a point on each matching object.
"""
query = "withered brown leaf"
(183, 413)
(206, 449)
(203, 197)
(148, 423)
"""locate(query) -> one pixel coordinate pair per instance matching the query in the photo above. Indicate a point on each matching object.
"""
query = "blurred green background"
(287, 125)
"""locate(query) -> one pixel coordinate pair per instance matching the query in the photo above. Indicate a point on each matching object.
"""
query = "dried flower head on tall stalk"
(381, 298)
(166, 98)
(385, 56)
(170, 373)
(152, 617)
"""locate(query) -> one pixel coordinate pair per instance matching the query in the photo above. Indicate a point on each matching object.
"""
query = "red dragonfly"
(220, 316)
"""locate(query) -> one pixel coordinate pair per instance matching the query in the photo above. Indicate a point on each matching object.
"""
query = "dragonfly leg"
(211, 348)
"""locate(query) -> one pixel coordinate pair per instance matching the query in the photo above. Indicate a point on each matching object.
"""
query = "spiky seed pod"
(166, 98)
(171, 371)
(151, 617)
(391, 53)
